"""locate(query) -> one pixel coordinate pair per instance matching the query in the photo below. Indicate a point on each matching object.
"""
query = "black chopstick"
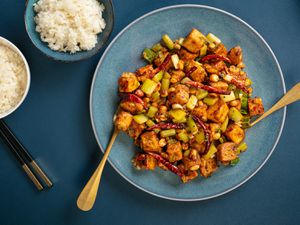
(21, 161)
(22, 152)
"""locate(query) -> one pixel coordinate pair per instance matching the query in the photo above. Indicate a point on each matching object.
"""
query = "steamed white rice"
(12, 78)
(69, 25)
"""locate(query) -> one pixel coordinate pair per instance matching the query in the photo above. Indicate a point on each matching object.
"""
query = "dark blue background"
(54, 124)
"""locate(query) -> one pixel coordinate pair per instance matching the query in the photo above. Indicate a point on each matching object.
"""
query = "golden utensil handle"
(88, 195)
(291, 96)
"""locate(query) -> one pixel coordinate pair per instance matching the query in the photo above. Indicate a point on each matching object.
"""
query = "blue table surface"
(54, 124)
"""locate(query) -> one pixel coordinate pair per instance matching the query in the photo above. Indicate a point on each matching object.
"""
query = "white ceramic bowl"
(7, 43)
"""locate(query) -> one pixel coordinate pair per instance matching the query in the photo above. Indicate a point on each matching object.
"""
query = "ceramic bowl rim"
(188, 6)
(28, 75)
(86, 56)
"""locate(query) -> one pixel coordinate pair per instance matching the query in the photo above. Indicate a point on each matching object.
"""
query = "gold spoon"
(88, 195)
(291, 96)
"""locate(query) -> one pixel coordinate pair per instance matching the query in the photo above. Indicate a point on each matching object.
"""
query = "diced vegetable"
(239, 93)
(211, 37)
(211, 152)
(157, 47)
(152, 111)
(203, 50)
(245, 122)
(140, 118)
(222, 139)
(178, 115)
(241, 148)
(168, 133)
(234, 114)
(228, 98)
(201, 94)
(185, 80)
(234, 162)
(244, 102)
(157, 77)
(180, 41)
(210, 100)
(183, 136)
(168, 41)
(155, 96)
(175, 61)
(150, 123)
(224, 125)
(165, 83)
(148, 86)
(149, 55)
(192, 125)
(200, 136)
(167, 75)
(192, 102)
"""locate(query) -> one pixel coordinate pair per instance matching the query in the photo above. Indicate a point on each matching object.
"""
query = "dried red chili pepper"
(166, 126)
(161, 66)
(170, 166)
(141, 157)
(230, 79)
(133, 98)
(239, 85)
(188, 73)
(215, 57)
(206, 132)
(208, 88)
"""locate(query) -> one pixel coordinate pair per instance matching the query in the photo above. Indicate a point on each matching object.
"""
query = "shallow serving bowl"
(108, 15)
(7, 43)
(125, 53)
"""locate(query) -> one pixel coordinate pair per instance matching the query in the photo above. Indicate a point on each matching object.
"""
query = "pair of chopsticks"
(23, 156)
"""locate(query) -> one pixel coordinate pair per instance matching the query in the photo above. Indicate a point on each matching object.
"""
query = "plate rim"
(120, 34)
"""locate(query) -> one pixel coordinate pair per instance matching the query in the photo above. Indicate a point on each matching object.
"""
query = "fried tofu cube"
(135, 129)
(180, 95)
(208, 166)
(235, 133)
(200, 112)
(190, 175)
(214, 67)
(255, 106)
(220, 50)
(150, 142)
(194, 41)
(128, 82)
(123, 120)
(219, 85)
(176, 76)
(144, 161)
(199, 74)
(132, 107)
(145, 72)
(186, 56)
(227, 152)
(217, 112)
(174, 151)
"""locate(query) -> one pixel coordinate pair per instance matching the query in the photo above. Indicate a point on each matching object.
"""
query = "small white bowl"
(7, 43)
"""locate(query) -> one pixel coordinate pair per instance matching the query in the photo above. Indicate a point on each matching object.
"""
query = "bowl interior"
(108, 15)
(7, 43)
(125, 51)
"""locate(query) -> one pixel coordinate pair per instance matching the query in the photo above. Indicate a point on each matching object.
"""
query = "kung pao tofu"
(188, 108)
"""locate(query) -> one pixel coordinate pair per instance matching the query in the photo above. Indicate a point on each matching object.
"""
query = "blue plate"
(124, 54)
(108, 15)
